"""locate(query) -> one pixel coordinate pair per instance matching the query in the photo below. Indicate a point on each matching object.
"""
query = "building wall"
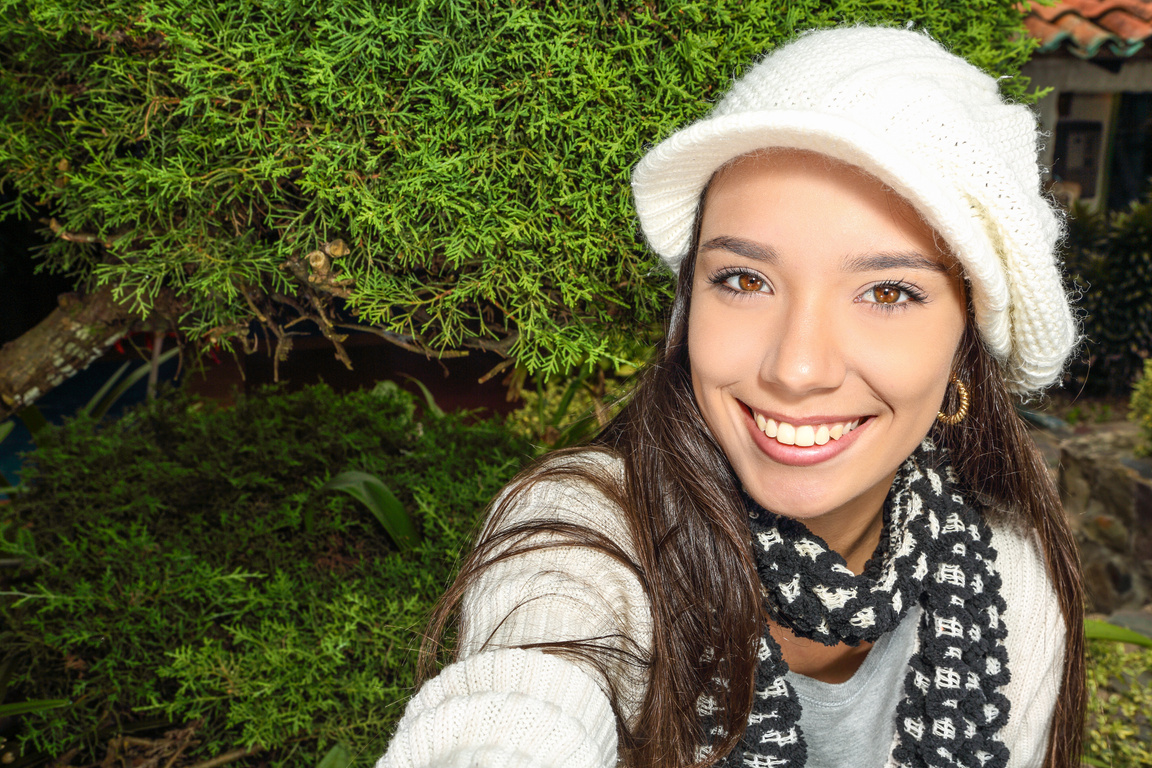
(1089, 92)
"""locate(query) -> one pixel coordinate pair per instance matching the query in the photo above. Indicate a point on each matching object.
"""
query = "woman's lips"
(804, 444)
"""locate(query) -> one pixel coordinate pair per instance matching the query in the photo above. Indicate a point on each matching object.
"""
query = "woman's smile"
(803, 442)
(806, 432)
(823, 323)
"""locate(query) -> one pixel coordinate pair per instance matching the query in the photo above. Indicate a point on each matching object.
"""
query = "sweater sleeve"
(510, 708)
(504, 703)
(1035, 645)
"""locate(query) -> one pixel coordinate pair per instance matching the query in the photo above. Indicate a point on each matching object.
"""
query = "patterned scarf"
(936, 552)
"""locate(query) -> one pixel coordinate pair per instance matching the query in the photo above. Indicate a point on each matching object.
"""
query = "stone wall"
(1107, 493)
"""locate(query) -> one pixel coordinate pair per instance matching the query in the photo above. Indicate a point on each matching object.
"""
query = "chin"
(799, 501)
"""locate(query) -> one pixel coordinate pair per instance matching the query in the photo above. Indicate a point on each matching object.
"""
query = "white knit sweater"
(501, 706)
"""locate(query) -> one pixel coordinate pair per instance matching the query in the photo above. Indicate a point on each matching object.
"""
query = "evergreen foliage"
(1140, 410)
(452, 171)
(185, 565)
(1110, 259)
(1119, 728)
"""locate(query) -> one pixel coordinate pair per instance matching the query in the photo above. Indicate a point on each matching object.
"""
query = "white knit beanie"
(928, 124)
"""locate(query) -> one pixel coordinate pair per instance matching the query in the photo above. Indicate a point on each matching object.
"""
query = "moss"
(183, 566)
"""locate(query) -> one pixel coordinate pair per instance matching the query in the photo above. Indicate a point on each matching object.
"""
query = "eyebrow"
(870, 263)
(740, 247)
(880, 261)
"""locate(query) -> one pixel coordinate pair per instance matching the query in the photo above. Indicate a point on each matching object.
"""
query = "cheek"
(911, 370)
(717, 354)
(703, 362)
(725, 341)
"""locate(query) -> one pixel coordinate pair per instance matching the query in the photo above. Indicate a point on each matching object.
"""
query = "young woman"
(818, 534)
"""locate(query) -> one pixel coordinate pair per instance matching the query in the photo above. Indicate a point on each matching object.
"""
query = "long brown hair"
(690, 549)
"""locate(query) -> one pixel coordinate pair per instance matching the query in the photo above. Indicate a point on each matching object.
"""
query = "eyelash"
(721, 277)
(914, 294)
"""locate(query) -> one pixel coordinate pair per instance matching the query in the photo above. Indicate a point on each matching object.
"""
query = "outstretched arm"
(509, 702)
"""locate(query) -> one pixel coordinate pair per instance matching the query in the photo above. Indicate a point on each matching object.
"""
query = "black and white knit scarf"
(936, 552)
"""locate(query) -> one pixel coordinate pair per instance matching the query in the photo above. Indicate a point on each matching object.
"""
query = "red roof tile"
(1088, 27)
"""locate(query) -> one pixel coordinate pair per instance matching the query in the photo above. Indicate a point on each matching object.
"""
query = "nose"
(805, 353)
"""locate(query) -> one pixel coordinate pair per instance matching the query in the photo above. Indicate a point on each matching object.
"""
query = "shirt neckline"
(813, 691)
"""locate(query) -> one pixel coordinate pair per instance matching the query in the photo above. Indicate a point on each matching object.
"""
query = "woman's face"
(823, 324)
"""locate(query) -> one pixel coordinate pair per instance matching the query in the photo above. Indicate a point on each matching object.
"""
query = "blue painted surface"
(69, 397)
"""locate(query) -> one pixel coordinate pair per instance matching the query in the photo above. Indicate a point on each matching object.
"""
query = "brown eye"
(749, 282)
(886, 294)
(743, 283)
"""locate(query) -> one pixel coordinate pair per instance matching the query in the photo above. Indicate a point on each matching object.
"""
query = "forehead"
(781, 198)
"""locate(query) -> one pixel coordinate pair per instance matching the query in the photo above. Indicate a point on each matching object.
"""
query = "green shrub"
(1109, 256)
(184, 566)
(1141, 409)
(473, 155)
(1119, 731)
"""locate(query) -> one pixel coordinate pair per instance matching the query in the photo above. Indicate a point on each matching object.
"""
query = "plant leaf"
(6, 674)
(433, 409)
(110, 399)
(34, 705)
(381, 502)
(100, 393)
(577, 431)
(6, 429)
(1103, 630)
(33, 418)
(566, 398)
(337, 757)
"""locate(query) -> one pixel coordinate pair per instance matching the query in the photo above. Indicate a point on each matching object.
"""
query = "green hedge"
(474, 156)
(1140, 409)
(1109, 256)
(1119, 729)
(183, 565)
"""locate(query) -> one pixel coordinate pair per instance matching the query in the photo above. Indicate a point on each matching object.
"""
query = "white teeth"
(805, 435)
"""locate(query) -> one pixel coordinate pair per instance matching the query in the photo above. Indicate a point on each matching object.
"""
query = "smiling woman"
(821, 303)
(818, 534)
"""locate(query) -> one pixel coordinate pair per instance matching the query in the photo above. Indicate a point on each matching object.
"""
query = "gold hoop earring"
(957, 416)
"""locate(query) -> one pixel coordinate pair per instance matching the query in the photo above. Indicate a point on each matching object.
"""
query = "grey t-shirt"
(852, 724)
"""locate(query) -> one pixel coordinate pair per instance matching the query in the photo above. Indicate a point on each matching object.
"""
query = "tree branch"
(501, 346)
(407, 343)
(228, 757)
(60, 346)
